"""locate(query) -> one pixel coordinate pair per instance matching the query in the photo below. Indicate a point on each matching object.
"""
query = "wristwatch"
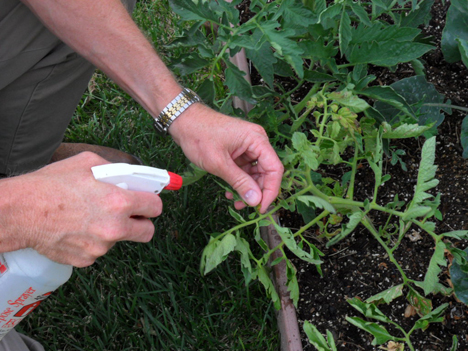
(174, 109)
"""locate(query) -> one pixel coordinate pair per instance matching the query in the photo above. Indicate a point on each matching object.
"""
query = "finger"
(229, 195)
(141, 230)
(243, 183)
(144, 204)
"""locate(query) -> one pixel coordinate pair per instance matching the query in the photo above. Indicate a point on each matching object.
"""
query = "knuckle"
(117, 202)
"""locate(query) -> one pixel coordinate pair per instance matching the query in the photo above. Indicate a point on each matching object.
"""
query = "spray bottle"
(27, 278)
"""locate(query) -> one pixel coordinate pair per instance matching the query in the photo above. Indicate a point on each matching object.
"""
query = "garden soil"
(358, 266)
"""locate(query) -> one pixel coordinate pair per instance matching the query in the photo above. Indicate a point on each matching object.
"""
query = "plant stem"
(366, 222)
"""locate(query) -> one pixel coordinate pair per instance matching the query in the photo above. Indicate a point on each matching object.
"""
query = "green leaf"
(188, 63)
(381, 335)
(290, 242)
(192, 175)
(347, 228)
(217, 251)
(344, 31)
(279, 39)
(193, 10)
(456, 28)
(464, 137)
(463, 47)
(426, 174)
(317, 201)
(369, 310)
(361, 13)
(459, 279)
(432, 275)
(292, 284)
(389, 96)
(403, 131)
(387, 296)
(454, 343)
(263, 59)
(317, 339)
(418, 16)
(415, 212)
(457, 234)
(269, 286)
(383, 48)
(436, 316)
(237, 83)
(294, 14)
(243, 247)
(236, 215)
(422, 305)
(422, 96)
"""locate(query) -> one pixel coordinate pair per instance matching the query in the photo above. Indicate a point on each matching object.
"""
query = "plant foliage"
(332, 113)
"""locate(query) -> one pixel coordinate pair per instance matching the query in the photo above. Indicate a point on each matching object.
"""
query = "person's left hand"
(235, 150)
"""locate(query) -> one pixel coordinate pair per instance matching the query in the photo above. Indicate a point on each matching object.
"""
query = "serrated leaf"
(426, 174)
(344, 32)
(403, 131)
(418, 16)
(193, 10)
(422, 305)
(457, 234)
(237, 83)
(263, 59)
(387, 296)
(436, 316)
(217, 251)
(380, 334)
(361, 13)
(386, 54)
(432, 275)
(317, 201)
(415, 212)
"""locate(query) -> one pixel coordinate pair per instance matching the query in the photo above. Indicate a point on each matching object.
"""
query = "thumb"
(243, 184)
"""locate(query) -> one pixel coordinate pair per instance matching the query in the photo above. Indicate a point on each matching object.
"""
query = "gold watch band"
(174, 109)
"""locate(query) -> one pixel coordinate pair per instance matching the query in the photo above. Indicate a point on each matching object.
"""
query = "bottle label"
(19, 308)
(3, 265)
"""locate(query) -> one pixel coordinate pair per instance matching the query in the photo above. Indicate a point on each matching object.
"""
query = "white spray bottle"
(28, 278)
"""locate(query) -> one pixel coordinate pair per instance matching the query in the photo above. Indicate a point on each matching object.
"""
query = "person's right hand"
(62, 212)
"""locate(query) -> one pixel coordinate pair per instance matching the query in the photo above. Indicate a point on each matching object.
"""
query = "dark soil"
(358, 266)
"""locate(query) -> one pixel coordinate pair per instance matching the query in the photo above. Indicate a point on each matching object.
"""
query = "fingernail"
(251, 197)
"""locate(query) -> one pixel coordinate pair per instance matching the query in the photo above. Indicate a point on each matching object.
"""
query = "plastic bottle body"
(26, 279)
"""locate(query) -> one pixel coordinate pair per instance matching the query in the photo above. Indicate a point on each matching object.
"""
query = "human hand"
(62, 212)
(227, 147)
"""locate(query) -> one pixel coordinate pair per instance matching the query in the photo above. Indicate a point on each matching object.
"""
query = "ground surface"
(358, 266)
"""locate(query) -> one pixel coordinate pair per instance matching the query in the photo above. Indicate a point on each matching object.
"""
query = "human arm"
(104, 33)
(62, 212)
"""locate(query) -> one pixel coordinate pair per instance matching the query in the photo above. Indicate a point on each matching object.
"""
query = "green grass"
(152, 296)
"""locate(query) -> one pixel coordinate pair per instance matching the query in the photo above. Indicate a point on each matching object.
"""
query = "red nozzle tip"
(175, 182)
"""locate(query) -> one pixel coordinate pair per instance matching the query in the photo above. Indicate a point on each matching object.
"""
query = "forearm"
(104, 33)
